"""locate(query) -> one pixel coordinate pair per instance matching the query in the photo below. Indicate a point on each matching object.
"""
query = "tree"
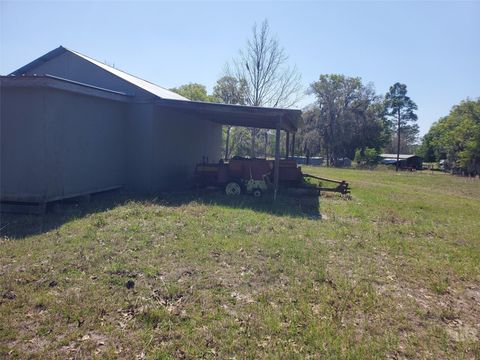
(408, 139)
(368, 157)
(400, 108)
(229, 90)
(456, 138)
(262, 68)
(371, 156)
(313, 134)
(194, 92)
(347, 115)
(429, 149)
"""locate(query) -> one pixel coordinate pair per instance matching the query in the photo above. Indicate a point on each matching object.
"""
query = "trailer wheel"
(257, 193)
(233, 189)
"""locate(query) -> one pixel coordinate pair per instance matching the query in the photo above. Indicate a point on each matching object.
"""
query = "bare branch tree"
(262, 67)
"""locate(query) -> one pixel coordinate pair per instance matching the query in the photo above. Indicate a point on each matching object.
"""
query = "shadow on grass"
(17, 226)
(287, 204)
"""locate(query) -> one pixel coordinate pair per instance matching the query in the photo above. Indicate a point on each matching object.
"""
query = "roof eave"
(42, 59)
(288, 119)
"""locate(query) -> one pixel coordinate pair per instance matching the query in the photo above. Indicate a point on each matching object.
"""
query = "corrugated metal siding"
(62, 144)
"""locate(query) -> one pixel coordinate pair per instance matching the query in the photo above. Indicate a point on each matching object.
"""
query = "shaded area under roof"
(143, 84)
(238, 115)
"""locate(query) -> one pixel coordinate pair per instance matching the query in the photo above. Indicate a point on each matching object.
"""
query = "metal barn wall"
(181, 139)
(62, 144)
(139, 146)
(91, 142)
(22, 144)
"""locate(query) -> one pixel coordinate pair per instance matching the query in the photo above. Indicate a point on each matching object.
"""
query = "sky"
(432, 47)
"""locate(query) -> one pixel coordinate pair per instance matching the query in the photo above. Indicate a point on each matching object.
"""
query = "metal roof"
(236, 115)
(143, 84)
(394, 156)
(239, 115)
(55, 82)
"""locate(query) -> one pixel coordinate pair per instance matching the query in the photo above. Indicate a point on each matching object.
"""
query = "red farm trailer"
(255, 176)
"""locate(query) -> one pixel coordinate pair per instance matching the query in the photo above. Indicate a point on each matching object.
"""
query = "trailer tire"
(233, 188)
(257, 193)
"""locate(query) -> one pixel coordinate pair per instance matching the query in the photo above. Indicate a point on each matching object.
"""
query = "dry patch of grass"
(392, 272)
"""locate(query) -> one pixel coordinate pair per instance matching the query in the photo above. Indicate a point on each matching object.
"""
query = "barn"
(71, 125)
(406, 161)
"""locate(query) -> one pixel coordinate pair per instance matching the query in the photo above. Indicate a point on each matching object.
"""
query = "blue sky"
(433, 47)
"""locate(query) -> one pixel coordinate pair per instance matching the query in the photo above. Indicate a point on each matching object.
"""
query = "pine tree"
(400, 108)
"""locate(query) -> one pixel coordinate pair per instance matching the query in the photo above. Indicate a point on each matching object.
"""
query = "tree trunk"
(293, 145)
(276, 168)
(227, 142)
(397, 165)
(328, 155)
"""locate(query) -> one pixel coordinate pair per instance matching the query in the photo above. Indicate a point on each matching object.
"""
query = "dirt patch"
(461, 332)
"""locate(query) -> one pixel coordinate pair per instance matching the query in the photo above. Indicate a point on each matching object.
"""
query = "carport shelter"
(73, 126)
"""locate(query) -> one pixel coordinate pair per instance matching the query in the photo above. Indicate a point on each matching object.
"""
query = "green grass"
(394, 271)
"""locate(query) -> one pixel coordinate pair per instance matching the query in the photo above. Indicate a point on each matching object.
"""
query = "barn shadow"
(287, 204)
(17, 226)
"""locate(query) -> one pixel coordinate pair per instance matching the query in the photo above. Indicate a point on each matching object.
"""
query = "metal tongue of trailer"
(255, 176)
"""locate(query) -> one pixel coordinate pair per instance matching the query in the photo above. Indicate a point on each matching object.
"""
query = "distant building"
(405, 161)
(313, 160)
(343, 162)
(442, 165)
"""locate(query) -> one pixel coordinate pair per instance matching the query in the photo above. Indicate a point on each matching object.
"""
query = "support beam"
(276, 171)
(287, 144)
(293, 144)
(227, 143)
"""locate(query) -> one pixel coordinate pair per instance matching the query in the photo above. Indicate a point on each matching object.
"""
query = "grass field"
(393, 272)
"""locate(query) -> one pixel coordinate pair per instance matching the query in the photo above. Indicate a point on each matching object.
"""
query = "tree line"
(455, 139)
(347, 119)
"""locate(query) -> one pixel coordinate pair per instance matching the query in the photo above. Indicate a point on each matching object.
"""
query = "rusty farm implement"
(255, 176)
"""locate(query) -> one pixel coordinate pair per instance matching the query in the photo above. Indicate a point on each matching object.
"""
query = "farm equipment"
(255, 176)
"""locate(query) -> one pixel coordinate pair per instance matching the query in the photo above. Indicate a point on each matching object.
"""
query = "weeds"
(392, 271)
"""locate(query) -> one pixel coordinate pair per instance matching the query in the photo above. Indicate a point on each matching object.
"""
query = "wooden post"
(227, 142)
(287, 145)
(293, 145)
(276, 171)
(397, 164)
(266, 143)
